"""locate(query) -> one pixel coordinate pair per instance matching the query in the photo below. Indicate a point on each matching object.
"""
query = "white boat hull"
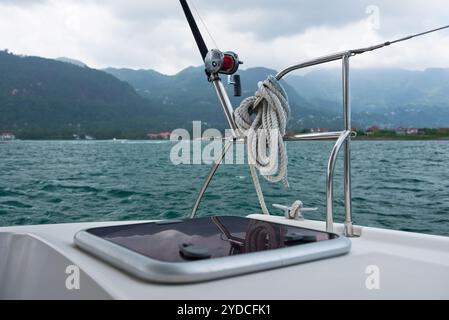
(382, 264)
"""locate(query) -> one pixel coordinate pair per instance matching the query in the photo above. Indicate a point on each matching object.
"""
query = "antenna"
(385, 44)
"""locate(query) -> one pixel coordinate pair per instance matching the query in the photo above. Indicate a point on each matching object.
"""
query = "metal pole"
(318, 136)
(226, 104)
(212, 173)
(320, 60)
(209, 177)
(229, 113)
(330, 181)
(349, 230)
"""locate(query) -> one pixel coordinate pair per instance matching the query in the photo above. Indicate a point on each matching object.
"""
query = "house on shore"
(412, 131)
(372, 130)
(159, 135)
(406, 131)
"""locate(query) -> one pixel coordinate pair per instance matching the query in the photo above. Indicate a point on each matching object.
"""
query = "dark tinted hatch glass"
(206, 238)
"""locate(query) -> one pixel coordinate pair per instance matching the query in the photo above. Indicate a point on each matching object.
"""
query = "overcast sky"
(153, 34)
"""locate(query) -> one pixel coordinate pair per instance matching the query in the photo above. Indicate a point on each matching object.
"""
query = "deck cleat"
(295, 211)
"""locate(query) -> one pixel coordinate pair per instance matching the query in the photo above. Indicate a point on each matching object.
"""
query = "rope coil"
(264, 128)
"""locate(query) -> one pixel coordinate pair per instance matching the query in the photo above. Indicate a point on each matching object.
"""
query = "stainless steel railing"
(343, 141)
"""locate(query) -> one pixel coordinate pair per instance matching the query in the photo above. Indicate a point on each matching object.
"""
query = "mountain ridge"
(46, 98)
(383, 97)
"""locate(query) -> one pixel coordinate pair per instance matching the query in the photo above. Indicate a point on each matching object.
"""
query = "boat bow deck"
(35, 258)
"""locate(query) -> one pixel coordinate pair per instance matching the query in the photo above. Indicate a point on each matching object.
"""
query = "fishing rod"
(196, 32)
(216, 62)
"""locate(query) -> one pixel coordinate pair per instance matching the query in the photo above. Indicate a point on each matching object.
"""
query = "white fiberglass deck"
(34, 260)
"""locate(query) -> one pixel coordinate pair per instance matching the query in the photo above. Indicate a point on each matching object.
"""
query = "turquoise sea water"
(396, 184)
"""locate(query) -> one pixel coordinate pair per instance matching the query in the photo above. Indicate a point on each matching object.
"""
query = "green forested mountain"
(44, 98)
(189, 95)
(385, 97)
(73, 61)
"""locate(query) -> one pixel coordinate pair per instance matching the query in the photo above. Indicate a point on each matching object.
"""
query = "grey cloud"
(266, 19)
(21, 3)
(283, 18)
(154, 33)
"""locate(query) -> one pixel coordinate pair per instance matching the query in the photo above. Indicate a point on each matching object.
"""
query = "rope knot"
(265, 126)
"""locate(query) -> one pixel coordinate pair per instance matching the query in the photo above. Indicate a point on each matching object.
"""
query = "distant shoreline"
(407, 138)
(358, 138)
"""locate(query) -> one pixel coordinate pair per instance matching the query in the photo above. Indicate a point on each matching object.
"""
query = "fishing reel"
(228, 62)
(222, 62)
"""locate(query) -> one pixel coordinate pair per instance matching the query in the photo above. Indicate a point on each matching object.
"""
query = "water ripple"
(400, 185)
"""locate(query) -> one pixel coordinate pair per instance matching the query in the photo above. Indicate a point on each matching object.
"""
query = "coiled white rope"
(264, 128)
